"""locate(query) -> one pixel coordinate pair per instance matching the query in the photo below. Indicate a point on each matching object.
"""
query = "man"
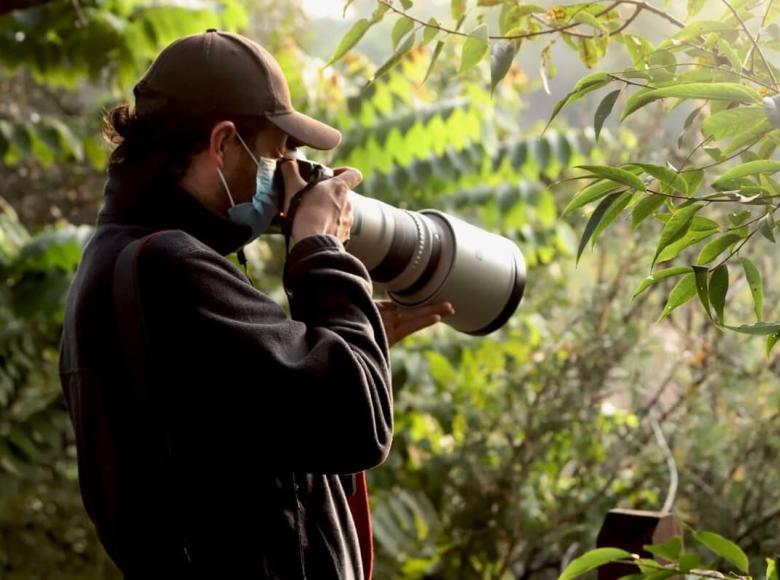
(216, 437)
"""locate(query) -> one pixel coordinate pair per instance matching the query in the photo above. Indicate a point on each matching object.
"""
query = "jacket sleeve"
(313, 393)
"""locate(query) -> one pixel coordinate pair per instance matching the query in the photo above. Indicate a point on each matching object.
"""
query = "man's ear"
(219, 142)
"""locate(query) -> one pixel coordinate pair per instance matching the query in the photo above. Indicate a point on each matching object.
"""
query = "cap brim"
(306, 131)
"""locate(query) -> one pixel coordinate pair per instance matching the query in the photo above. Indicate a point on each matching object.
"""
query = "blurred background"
(509, 449)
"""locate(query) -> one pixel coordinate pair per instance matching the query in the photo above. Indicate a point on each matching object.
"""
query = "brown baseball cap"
(221, 73)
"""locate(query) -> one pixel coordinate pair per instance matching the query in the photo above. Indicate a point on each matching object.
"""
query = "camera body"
(429, 256)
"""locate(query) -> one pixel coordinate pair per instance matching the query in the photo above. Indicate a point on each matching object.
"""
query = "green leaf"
(669, 550)
(762, 166)
(587, 18)
(700, 27)
(457, 8)
(656, 277)
(693, 236)
(665, 176)
(595, 218)
(683, 292)
(714, 248)
(401, 28)
(676, 227)
(710, 91)
(701, 275)
(719, 287)
(771, 341)
(693, 178)
(350, 39)
(771, 567)
(595, 191)
(646, 206)
(615, 174)
(747, 136)
(441, 368)
(724, 548)
(637, 100)
(729, 122)
(431, 30)
(434, 58)
(603, 111)
(757, 329)
(405, 47)
(756, 286)
(592, 560)
(474, 49)
(585, 85)
(689, 561)
(767, 227)
(502, 54)
(615, 210)
(694, 7)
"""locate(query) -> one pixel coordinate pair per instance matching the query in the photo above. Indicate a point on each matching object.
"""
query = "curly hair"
(161, 147)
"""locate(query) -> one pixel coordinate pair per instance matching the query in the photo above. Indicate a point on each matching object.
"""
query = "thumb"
(293, 182)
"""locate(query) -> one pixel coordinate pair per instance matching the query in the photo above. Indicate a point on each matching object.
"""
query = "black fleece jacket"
(262, 416)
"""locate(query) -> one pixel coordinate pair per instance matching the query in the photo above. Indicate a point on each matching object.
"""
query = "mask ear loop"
(240, 254)
(248, 150)
(227, 189)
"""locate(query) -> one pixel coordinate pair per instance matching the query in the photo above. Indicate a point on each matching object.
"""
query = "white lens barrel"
(427, 257)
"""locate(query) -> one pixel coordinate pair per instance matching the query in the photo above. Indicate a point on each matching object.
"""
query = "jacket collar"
(166, 206)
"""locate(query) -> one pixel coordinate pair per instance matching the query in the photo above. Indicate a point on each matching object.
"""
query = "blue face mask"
(258, 213)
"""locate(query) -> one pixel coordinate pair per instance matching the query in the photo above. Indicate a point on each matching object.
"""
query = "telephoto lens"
(427, 257)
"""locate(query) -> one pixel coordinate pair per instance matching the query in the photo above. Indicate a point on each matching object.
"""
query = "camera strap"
(317, 175)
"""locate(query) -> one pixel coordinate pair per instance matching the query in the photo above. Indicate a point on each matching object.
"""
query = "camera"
(428, 256)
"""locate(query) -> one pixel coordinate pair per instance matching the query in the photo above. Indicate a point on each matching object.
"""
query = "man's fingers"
(293, 182)
(349, 175)
(409, 327)
(442, 309)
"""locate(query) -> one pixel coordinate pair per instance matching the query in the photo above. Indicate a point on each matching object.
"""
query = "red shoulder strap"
(361, 514)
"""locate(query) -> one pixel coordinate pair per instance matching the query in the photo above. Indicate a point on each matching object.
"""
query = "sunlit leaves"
(717, 246)
(724, 548)
(701, 275)
(656, 277)
(590, 194)
(730, 179)
(756, 286)
(676, 227)
(401, 28)
(682, 293)
(603, 111)
(405, 47)
(585, 85)
(615, 174)
(501, 55)
(718, 288)
(732, 92)
(671, 179)
(670, 550)
(474, 49)
(645, 208)
(592, 560)
(350, 39)
(731, 121)
(595, 219)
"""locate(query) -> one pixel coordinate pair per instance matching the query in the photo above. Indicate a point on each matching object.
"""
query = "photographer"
(216, 437)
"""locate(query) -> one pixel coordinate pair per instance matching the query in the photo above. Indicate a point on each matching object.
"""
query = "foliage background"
(510, 449)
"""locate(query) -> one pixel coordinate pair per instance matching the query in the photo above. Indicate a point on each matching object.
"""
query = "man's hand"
(327, 208)
(401, 322)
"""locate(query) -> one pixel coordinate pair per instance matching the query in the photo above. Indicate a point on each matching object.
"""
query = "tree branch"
(639, 7)
(753, 40)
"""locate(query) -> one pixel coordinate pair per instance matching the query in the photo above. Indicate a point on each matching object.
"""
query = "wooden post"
(630, 530)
